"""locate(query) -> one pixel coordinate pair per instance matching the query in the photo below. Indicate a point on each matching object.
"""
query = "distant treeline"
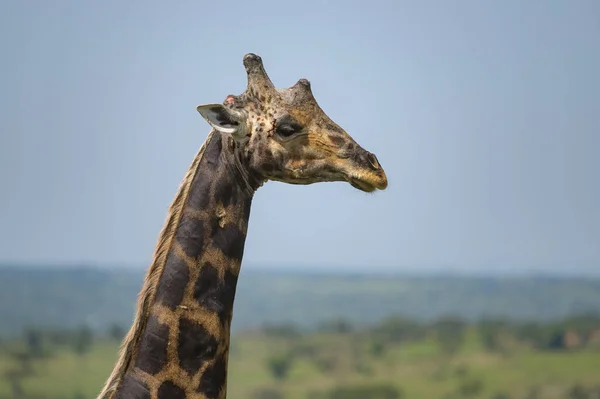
(495, 334)
(50, 297)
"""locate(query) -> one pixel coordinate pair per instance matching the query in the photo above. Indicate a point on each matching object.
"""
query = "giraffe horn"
(258, 80)
(302, 92)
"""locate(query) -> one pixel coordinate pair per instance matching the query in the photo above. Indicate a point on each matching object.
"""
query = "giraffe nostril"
(373, 161)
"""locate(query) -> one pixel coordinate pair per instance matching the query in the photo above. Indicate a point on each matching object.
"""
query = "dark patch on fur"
(173, 281)
(196, 345)
(168, 390)
(190, 234)
(230, 240)
(230, 284)
(152, 352)
(336, 140)
(214, 378)
(208, 281)
(214, 294)
(132, 388)
(199, 195)
(224, 193)
(213, 149)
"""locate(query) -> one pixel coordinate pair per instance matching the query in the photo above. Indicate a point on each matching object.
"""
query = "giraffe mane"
(148, 291)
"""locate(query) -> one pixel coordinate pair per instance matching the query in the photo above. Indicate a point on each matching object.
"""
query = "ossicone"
(258, 80)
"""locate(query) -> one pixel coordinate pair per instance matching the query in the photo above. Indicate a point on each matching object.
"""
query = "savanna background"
(476, 274)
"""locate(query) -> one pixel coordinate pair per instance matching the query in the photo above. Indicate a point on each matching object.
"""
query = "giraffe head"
(285, 136)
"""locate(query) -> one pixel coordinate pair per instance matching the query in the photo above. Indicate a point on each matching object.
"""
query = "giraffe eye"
(288, 129)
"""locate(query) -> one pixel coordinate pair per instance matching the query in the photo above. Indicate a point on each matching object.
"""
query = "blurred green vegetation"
(51, 297)
(325, 337)
(397, 358)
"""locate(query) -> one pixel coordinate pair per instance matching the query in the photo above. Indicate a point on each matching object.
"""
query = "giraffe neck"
(178, 346)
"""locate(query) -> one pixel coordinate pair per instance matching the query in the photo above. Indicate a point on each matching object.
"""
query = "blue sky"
(485, 116)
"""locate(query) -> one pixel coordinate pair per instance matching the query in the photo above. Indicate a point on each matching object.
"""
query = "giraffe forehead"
(275, 103)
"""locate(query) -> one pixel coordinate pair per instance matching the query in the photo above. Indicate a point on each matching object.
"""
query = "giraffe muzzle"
(366, 173)
(362, 170)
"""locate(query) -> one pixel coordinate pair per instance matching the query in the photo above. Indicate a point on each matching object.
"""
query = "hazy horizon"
(484, 116)
(406, 271)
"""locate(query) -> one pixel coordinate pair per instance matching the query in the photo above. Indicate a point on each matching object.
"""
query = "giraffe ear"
(220, 117)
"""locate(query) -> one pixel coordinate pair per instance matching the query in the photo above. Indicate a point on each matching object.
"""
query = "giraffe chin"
(362, 185)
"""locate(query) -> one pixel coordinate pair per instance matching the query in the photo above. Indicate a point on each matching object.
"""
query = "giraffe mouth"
(362, 186)
(368, 185)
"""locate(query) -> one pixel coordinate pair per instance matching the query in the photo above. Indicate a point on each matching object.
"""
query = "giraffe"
(178, 344)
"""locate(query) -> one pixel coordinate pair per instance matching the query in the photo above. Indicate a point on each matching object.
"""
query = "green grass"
(418, 368)
(66, 374)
